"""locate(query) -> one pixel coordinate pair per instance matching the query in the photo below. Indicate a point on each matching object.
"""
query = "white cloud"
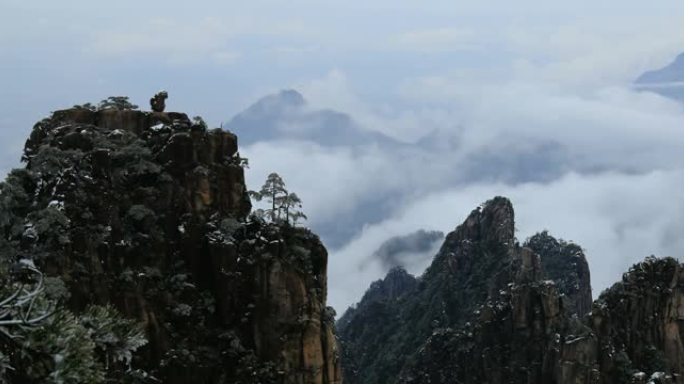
(614, 190)
(499, 79)
(590, 54)
(600, 128)
(614, 127)
(328, 180)
(618, 219)
(335, 91)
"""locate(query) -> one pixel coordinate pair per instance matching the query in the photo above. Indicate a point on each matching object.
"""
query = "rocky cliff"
(489, 310)
(472, 263)
(365, 324)
(148, 211)
(639, 323)
(565, 264)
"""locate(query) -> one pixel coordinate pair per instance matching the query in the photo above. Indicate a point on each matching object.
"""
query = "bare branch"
(12, 297)
(9, 335)
(22, 301)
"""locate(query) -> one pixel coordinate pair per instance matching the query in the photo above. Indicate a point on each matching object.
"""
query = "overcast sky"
(542, 85)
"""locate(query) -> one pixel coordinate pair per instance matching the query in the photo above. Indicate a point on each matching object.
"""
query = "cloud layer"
(601, 167)
(618, 219)
(525, 99)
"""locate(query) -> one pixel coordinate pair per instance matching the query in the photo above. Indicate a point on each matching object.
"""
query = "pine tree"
(272, 190)
(291, 205)
(285, 206)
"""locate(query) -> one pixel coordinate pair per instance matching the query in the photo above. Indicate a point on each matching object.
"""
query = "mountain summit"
(490, 310)
(673, 72)
(287, 116)
(667, 81)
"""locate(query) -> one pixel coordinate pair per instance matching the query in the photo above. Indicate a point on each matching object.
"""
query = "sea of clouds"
(529, 100)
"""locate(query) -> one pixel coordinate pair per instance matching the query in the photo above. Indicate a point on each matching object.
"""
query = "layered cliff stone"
(519, 314)
(486, 310)
(639, 323)
(472, 264)
(565, 264)
(522, 334)
(397, 283)
(148, 211)
(364, 324)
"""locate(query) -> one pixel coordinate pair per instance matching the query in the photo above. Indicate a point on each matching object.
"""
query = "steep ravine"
(149, 211)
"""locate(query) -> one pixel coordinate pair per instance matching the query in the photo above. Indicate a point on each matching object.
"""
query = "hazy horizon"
(526, 100)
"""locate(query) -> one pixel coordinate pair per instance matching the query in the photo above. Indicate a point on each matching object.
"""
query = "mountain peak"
(475, 259)
(275, 105)
(397, 282)
(494, 220)
(492, 225)
(673, 72)
(285, 116)
(565, 263)
(283, 100)
(291, 97)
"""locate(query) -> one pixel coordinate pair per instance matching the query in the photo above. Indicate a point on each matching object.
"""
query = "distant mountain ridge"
(285, 119)
(287, 116)
(667, 81)
(673, 72)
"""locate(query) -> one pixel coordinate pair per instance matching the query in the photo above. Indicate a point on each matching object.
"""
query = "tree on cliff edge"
(285, 206)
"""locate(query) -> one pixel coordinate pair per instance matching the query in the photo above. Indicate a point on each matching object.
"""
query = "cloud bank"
(601, 167)
(529, 100)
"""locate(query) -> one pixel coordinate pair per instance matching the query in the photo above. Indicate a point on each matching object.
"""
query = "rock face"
(472, 263)
(566, 265)
(364, 324)
(511, 338)
(149, 212)
(639, 323)
(491, 311)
